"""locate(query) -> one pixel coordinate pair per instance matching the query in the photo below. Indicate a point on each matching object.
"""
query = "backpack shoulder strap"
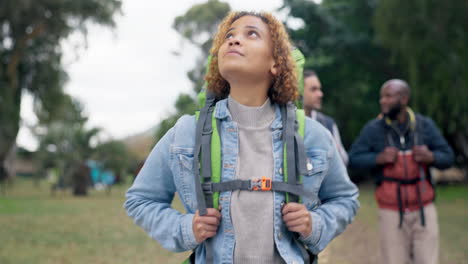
(299, 139)
(203, 135)
(417, 130)
(300, 161)
(326, 121)
(289, 165)
(294, 157)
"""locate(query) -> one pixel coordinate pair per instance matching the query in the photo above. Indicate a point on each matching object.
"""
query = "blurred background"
(88, 87)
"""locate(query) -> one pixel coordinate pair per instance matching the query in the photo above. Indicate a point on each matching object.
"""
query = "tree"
(428, 40)
(65, 143)
(198, 26)
(338, 41)
(114, 156)
(357, 45)
(31, 33)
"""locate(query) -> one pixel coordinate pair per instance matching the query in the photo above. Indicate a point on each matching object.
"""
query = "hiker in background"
(313, 95)
(252, 74)
(400, 146)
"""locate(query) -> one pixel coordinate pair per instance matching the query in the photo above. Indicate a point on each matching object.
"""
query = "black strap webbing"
(400, 182)
(196, 165)
(288, 138)
(246, 185)
(206, 154)
(203, 143)
(200, 132)
(300, 154)
(209, 248)
(295, 156)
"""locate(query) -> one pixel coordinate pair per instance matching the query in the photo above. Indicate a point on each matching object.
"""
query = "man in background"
(399, 146)
(313, 95)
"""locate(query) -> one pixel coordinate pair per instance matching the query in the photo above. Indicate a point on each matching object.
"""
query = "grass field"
(359, 243)
(39, 228)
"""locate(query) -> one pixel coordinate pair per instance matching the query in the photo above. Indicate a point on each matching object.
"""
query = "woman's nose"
(234, 41)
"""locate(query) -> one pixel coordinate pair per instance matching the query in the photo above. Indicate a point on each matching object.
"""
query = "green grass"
(452, 202)
(359, 243)
(39, 228)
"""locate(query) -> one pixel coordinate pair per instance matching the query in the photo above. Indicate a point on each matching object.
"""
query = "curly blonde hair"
(284, 87)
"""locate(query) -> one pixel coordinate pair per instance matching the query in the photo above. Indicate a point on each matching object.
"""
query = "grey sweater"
(252, 212)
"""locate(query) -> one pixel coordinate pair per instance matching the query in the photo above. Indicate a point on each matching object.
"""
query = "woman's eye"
(253, 33)
(228, 36)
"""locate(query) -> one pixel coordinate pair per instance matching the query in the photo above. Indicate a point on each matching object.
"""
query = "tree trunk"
(10, 104)
(10, 96)
(81, 180)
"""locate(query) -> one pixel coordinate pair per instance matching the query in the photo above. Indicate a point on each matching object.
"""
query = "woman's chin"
(232, 71)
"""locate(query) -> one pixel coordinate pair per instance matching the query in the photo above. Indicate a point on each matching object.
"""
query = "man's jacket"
(372, 141)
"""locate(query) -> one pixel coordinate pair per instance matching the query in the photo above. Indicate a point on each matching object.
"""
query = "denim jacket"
(169, 169)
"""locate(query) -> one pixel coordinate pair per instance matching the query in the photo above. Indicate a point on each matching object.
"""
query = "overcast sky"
(128, 78)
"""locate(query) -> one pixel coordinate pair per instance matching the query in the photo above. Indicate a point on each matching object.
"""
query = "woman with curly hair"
(252, 75)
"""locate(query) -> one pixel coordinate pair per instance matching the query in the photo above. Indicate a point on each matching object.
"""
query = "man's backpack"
(389, 182)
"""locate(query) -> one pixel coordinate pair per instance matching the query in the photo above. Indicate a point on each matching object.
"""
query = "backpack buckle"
(263, 184)
(207, 187)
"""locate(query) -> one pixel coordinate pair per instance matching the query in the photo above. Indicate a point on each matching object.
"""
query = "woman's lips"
(234, 52)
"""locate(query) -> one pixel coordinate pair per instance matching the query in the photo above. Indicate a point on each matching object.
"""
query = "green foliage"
(114, 156)
(198, 26)
(355, 46)
(31, 33)
(185, 105)
(66, 142)
(428, 40)
(337, 40)
(200, 22)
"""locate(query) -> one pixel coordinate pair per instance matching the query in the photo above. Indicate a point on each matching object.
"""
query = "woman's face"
(247, 51)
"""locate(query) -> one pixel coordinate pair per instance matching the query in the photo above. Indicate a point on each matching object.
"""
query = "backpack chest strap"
(264, 184)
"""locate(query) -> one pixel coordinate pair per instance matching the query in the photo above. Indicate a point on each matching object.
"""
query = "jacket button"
(309, 165)
(280, 171)
(279, 235)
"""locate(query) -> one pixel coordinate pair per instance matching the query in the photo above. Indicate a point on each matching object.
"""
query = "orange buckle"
(263, 184)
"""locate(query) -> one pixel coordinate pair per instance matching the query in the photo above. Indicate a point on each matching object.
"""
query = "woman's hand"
(206, 226)
(297, 218)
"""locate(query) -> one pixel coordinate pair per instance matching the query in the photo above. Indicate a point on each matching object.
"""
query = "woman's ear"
(274, 70)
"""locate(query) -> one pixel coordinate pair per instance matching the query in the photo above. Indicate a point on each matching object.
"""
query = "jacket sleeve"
(149, 201)
(443, 153)
(339, 204)
(361, 154)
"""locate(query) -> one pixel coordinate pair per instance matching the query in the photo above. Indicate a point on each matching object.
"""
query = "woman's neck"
(249, 94)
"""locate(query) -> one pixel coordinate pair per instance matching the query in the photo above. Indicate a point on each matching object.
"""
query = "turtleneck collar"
(251, 116)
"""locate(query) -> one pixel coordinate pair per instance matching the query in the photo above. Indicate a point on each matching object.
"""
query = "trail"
(357, 245)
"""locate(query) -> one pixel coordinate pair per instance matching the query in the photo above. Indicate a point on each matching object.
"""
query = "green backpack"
(207, 159)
